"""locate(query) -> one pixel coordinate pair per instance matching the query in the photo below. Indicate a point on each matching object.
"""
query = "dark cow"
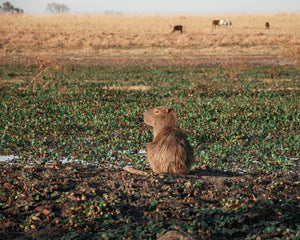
(177, 28)
(267, 25)
(215, 23)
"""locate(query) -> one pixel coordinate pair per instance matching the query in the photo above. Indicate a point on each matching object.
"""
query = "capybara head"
(160, 117)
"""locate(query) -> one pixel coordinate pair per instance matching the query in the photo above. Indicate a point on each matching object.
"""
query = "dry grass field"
(134, 35)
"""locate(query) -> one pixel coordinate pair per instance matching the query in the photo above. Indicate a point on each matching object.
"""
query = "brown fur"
(170, 151)
(267, 25)
(215, 23)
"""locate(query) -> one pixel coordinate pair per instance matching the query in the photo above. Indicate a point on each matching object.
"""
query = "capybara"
(170, 151)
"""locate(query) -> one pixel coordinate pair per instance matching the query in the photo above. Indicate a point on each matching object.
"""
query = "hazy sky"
(163, 6)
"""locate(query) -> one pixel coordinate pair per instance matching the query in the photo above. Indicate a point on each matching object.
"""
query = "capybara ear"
(168, 110)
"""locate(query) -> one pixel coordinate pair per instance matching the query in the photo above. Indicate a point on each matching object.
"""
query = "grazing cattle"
(223, 22)
(267, 25)
(215, 23)
(177, 28)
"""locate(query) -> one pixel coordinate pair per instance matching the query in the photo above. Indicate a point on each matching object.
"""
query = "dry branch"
(135, 171)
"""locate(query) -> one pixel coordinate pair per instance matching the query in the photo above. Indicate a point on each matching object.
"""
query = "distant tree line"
(53, 7)
(7, 7)
(57, 8)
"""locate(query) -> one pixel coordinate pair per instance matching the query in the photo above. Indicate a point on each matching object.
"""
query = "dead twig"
(135, 171)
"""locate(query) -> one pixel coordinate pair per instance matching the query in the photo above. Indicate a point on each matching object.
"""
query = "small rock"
(175, 235)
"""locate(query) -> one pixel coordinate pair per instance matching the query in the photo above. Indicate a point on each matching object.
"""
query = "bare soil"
(90, 202)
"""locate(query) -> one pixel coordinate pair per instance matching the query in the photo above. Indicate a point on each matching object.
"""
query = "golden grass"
(126, 35)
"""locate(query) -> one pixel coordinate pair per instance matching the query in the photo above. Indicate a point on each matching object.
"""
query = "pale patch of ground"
(129, 88)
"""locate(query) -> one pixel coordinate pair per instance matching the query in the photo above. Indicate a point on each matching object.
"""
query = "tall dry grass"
(126, 35)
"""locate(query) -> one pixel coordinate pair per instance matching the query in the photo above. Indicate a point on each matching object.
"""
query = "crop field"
(73, 90)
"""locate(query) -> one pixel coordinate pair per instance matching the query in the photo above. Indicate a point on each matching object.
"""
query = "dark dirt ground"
(89, 202)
